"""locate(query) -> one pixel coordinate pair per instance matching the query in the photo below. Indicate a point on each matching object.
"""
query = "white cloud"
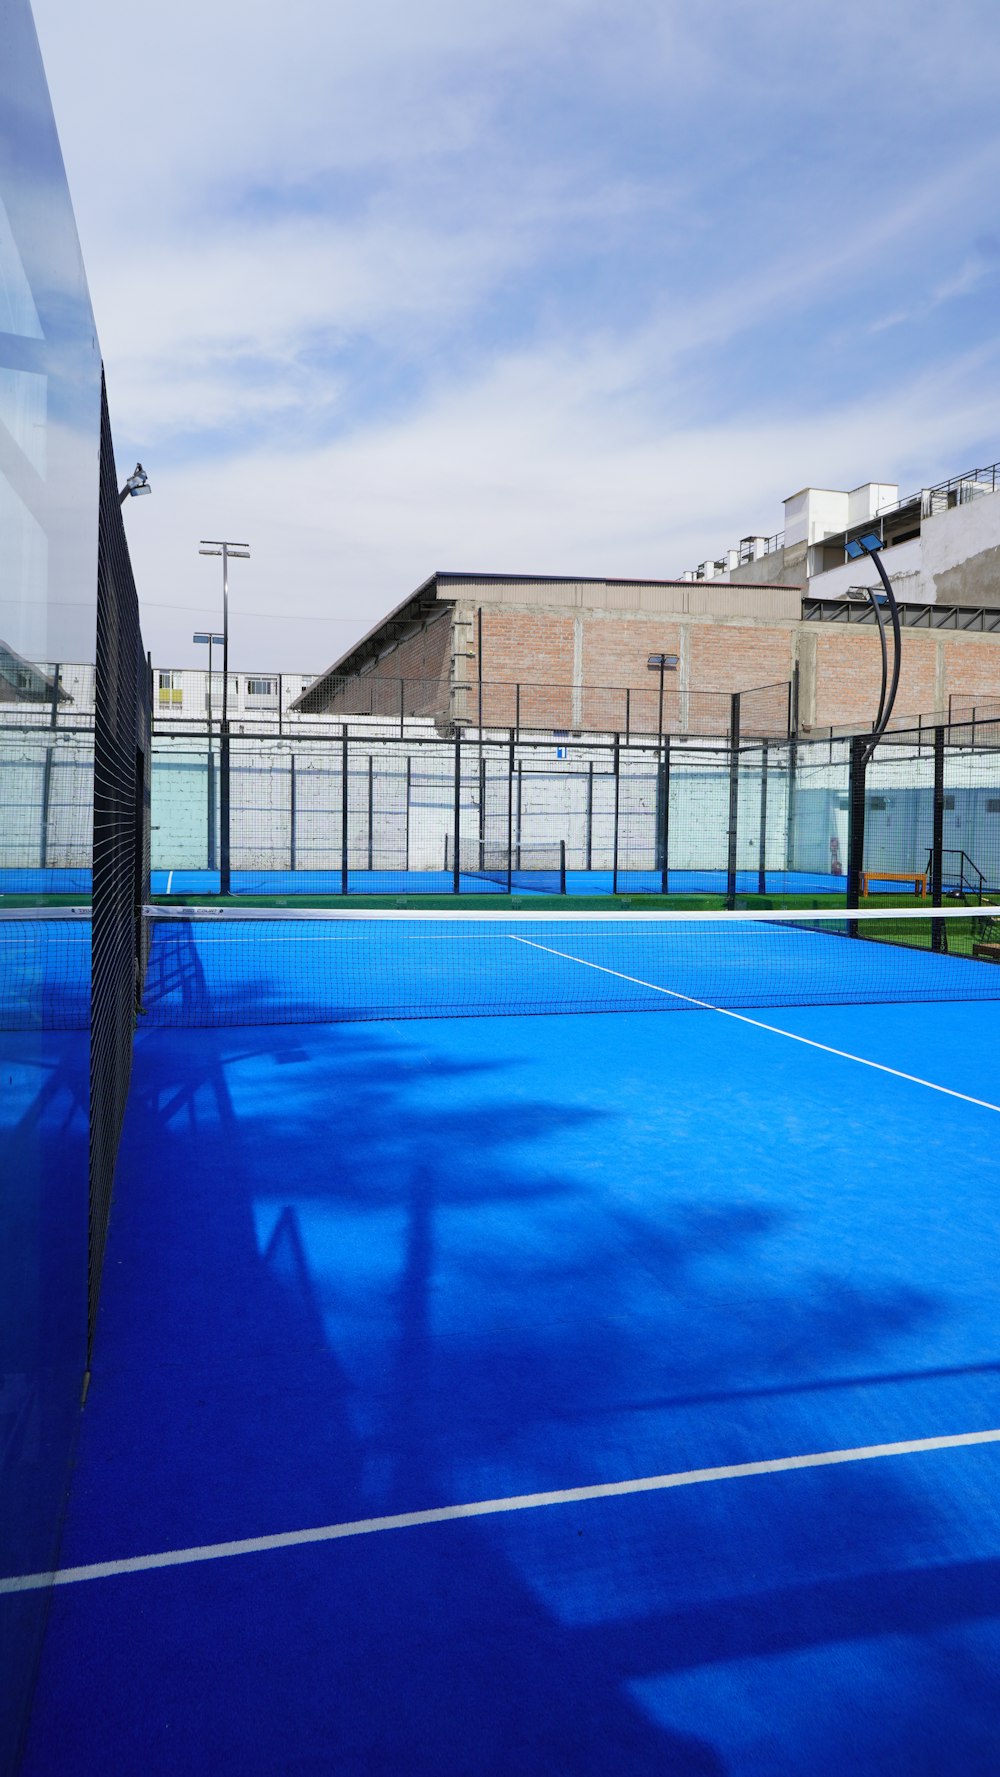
(449, 284)
(525, 471)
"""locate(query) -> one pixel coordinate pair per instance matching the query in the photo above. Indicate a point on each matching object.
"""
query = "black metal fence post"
(762, 842)
(456, 873)
(371, 813)
(406, 817)
(211, 804)
(734, 799)
(482, 805)
(791, 811)
(510, 810)
(345, 834)
(43, 849)
(590, 814)
(225, 876)
(937, 841)
(520, 813)
(663, 823)
(856, 827)
(617, 797)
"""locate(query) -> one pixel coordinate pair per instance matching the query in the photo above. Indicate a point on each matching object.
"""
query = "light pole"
(870, 544)
(863, 746)
(137, 483)
(665, 663)
(241, 552)
(662, 663)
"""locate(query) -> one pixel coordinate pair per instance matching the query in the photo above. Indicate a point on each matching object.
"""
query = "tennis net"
(219, 966)
(538, 866)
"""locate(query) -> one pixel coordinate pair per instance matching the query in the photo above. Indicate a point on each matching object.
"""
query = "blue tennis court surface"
(368, 1270)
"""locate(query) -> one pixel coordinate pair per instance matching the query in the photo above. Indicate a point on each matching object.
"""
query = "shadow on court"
(357, 1270)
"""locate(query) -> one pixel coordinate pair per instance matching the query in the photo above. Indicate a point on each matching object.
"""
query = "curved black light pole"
(870, 544)
(880, 620)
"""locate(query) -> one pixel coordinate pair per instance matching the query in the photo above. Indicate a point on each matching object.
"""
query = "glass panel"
(49, 461)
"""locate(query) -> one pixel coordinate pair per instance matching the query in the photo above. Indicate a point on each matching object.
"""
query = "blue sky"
(554, 285)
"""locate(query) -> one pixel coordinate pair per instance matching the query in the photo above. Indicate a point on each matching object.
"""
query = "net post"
(856, 827)
(406, 818)
(562, 866)
(938, 940)
(762, 845)
(590, 814)
(617, 794)
(291, 810)
(734, 798)
(456, 874)
(344, 809)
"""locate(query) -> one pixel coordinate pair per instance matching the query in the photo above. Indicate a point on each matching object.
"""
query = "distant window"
(948, 802)
(993, 805)
(260, 687)
(843, 802)
(877, 802)
(171, 688)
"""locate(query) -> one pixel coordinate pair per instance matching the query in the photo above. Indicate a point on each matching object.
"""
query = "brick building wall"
(579, 663)
(422, 661)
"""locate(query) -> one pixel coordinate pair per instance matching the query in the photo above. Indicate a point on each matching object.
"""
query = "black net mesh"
(121, 850)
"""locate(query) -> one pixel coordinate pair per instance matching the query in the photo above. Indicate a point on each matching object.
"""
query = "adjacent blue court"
(368, 1271)
(441, 882)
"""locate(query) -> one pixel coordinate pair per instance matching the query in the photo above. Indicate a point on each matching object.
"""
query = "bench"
(917, 877)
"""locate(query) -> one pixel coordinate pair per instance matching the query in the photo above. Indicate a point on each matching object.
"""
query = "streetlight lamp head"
(668, 662)
(137, 483)
(869, 544)
(210, 552)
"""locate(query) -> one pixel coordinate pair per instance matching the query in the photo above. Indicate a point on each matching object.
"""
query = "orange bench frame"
(917, 877)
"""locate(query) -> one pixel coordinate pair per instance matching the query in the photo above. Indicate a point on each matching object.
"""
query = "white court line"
(487, 1508)
(758, 1023)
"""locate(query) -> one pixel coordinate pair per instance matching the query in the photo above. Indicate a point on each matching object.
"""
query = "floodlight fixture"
(663, 662)
(137, 483)
(868, 544)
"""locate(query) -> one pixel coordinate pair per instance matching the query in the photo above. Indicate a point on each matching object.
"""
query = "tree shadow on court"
(349, 1274)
